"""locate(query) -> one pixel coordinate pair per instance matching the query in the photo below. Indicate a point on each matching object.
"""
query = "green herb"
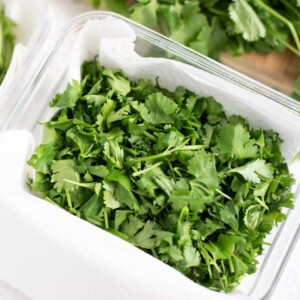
(7, 42)
(211, 27)
(214, 26)
(166, 171)
(296, 91)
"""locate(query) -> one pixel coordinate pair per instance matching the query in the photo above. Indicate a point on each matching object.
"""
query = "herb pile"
(213, 26)
(7, 42)
(166, 171)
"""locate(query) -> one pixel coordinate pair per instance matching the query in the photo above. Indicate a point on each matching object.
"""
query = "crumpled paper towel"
(51, 254)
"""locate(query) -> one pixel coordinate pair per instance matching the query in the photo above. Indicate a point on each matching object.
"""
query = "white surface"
(72, 275)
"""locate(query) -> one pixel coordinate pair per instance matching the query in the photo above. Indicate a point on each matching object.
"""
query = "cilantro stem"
(183, 214)
(51, 201)
(192, 147)
(155, 156)
(194, 140)
(129, 150)
(106, 224)
(182, 147)
(291, 7)
(69, 201)
(147, 170)
(93, 221)
(217, 12)
(88, 185)
(150, 136)
(284, 20)
(171, 169)
(154, 252)
(223, 194)
(194, 124)
(200, 186)
(263, 204)
(119, 234)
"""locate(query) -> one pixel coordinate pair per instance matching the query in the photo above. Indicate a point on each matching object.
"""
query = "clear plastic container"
(52, 77)
(33, 22)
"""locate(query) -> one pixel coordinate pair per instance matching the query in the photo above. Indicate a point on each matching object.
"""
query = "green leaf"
(84, 141)
(168, 140)
(42, 158)
(246, 20)
(236, 141)
(114, 153)
(208, 227)
(118, 82)
(132, 225)
(203, 167)
(255, 171)
(253, 216)
(69, 97)
(145, 13)
(190, 21)
(175, 253)
(145, 237)
(118, 6)
(108, 195)
(91, 208)
(191, 256)
(120, 217)
(296, 91)
(211, 39)
(164, 236)
(64, 170)
(229, 215)
(99, 171)
(158, 109)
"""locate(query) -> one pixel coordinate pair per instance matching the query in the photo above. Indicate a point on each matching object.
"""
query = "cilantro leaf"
(246, 21)
(203, 167)
(43, 157)
(191, 256)
(145, 13)
(255, 171)
(158, 109)
(69, 97)
(118, 83)
(63, 172)
(235, 140)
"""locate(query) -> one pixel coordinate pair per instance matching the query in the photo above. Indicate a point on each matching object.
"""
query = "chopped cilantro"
(166, 171)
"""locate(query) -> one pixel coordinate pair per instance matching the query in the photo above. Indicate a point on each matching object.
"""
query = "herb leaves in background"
(166, 171)
(296, 91)
(214, 26)
(7, 42)
(242, 25)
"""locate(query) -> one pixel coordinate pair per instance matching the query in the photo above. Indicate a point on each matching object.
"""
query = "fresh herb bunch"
(166, 171)
(212, 26)
(7, 42)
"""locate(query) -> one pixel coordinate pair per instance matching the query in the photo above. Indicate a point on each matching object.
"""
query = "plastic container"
(33, 22)
(52, 77)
